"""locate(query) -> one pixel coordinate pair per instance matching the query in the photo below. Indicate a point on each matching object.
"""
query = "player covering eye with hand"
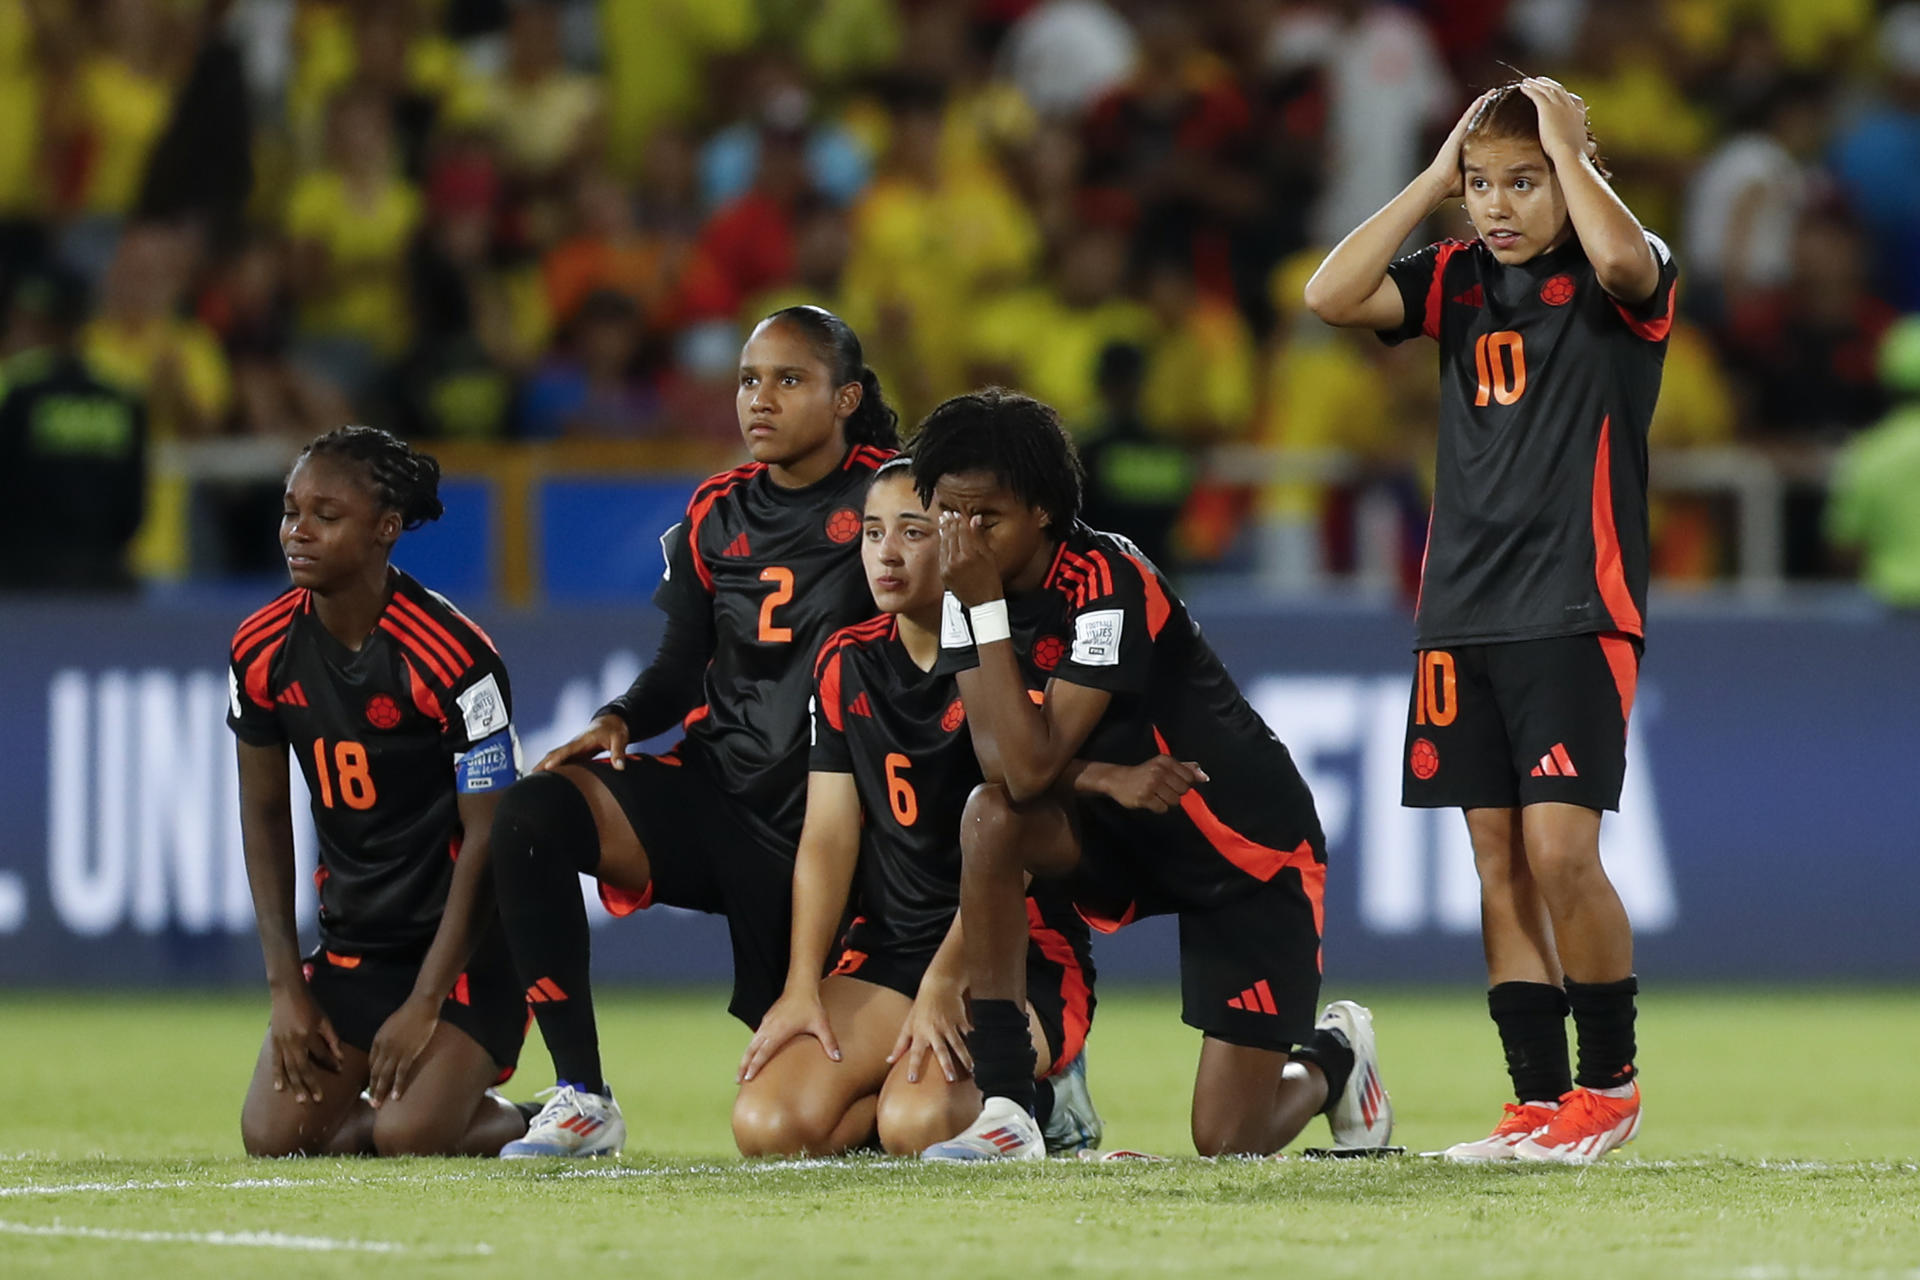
(398, 713)
(1552, 329)
(1040, 604)
(763, 569)
(878, 1045)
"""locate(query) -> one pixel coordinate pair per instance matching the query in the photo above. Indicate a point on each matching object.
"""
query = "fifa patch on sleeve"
(233, 693)
(483, 709)
(954, 631)
(1096, 638)
(491, 765)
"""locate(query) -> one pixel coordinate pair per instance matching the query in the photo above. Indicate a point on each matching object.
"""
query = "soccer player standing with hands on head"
(1552, 329)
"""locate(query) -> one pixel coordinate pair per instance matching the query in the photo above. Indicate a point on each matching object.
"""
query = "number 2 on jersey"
(350, 764)
(900, 797)
(782, 579)
(1501, 361)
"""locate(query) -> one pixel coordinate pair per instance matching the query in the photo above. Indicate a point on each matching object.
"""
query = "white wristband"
(990, 622)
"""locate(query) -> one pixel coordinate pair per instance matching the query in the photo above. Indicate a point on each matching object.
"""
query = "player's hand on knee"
(304, 1045)
(936, 1026)
(395, 1054)
(1156, 785)
(793, 1015)
(607, 733)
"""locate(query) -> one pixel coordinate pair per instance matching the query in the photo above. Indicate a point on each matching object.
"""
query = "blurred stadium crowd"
(498, 220)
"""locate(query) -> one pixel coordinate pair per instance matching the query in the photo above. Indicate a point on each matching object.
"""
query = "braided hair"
(403, 479)
(838, 347)
(1013, 437)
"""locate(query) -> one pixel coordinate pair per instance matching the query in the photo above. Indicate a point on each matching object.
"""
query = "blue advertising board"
(1770, 827)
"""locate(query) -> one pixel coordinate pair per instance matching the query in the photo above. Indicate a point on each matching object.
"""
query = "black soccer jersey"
(380, 734)
(1539, 523)
(776, 571)
(1105, 618)
(901, 733)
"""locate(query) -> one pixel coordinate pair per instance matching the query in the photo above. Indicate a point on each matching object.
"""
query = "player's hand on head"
(1563, 118)
(936, 1027)
(793, 1015)
(607, 734)
(1156, 785)
(1445, 169)
(395, 1053)
(305, 1046)
(966, 566)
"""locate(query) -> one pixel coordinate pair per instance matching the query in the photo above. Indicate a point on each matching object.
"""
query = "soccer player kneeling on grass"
(1069, 646)
(397, 711)
(839, 1060)
(1552, 329)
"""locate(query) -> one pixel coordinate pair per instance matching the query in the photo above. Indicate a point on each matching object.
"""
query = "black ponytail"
(403, 479)
(838, 347)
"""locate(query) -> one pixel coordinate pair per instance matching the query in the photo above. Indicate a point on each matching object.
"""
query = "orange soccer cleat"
(1590, 1123)
(1520, 1121)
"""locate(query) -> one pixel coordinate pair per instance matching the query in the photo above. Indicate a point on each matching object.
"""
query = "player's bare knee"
(1229, 1132)
(412, 1131)
(911, 1121)
(269, 1136)
(989, 826)
(1565, 871)
(766, 1124)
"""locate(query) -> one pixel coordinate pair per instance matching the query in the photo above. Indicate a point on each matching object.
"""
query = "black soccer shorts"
(1249, 948)
(706, 857)
(1498, 726)
(1059, 971)
(358, 993)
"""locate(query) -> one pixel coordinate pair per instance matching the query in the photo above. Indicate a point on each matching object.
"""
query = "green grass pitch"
(1782, 1140)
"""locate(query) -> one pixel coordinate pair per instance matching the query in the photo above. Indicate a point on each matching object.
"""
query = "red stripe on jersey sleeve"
(414, 646)
(429, 642)
(265, 622)
(1076, 1015)
(431, 626)
(1158, 610)
(1437, 287)
(1608, 571)
(829, 690)
(703, 499)
(1656, 329)
(256, 681)
(423, 699)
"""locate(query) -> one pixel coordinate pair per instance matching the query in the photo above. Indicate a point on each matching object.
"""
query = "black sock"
(542, 833)
(1002, 1049)
(1328, 1050)
(1603, 1021)
(1043, 1101)
(1532, 1017)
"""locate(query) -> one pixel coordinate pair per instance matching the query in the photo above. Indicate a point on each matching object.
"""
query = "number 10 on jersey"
(1500, 360)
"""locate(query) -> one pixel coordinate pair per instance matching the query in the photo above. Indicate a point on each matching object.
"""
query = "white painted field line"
(243, 1239)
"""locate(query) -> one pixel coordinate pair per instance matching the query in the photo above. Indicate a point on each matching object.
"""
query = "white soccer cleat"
(573, 1123)
(1589, 1124)
(1074, 1124)
(1362, 1117)
(1003, 1131)
(1518, 1122)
